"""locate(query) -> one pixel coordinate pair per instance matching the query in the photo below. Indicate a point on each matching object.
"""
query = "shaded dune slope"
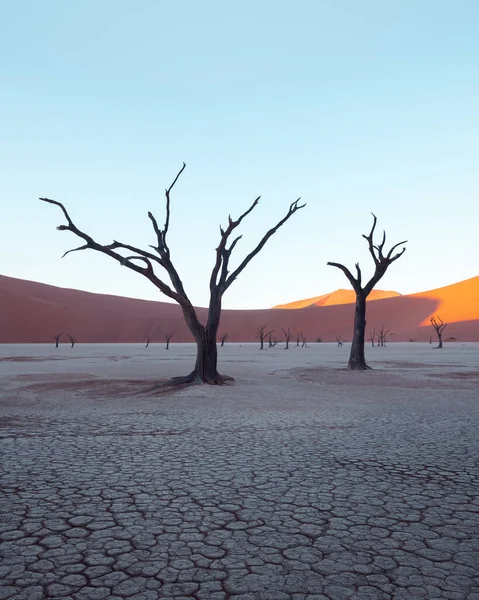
(35, 312)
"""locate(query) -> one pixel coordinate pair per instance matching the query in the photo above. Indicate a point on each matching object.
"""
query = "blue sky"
(354, 106)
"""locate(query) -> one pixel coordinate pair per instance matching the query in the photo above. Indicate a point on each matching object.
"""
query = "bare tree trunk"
(357, 359)
(439, 337)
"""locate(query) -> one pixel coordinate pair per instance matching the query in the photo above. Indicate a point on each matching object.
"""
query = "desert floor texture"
(301, 481)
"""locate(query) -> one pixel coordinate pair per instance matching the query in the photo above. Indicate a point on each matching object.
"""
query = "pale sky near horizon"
(354, 106)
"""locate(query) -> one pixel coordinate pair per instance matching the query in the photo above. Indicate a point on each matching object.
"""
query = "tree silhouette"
(357, 360)
(287, 336)
(144, 263)
(223, 338)
(261, 334)
(439, 327)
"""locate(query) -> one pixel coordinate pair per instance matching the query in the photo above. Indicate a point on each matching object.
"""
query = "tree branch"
(109, 250)
(294, 207)
(347, 272)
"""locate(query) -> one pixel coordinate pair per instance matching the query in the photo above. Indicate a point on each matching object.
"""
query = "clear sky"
(356, 106)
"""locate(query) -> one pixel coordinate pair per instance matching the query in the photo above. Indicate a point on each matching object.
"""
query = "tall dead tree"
(57, 339)
(261, 334)
(357, 360)
(168, 337)
(223, 338)
(72, 339)
(439, 327)
(372, 337)
(287, 336)
(144, 262)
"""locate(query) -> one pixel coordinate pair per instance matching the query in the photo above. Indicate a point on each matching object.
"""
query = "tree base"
(194, 378)
(359, 367)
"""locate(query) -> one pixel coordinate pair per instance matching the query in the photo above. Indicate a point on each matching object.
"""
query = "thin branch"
(294, 207)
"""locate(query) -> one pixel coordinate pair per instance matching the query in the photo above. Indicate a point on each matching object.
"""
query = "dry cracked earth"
(273, 489)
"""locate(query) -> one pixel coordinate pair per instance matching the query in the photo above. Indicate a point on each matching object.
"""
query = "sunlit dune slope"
(456, 302)
(338, 297)
(35, 312)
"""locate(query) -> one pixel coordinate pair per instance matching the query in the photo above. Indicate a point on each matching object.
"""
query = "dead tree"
(72, 339)
(57, 339)
(372, 337)
(148, 340)
(303, 340)
(223, 338)
(287, 336)
(339, 341)
(270, 341)
(144, 262)
(439, 327)
(274, 342)
(168, 337)
(357, 360)
(382, 333)
(298, 339)
(261, 334)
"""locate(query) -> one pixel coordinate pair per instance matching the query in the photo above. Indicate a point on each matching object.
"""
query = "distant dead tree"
(303, 340)
(148, 340)
(72, 339)
(339, 341)
(57, 339)
(223, 338)
(168, 337)
(261, 334)
(144, 262)
(298, 339)
(357, 359)
(275, 342)
(270, 341)
(439, 327)
(382, 333)
(372, 337)
(287, 336)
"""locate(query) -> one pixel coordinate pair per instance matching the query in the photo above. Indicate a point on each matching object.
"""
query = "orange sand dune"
(35, 312)
(456, 302)
(337, 297)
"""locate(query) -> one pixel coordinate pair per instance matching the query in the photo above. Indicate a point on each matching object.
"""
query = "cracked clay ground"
(296, 483)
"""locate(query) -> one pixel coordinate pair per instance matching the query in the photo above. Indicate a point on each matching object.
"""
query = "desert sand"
(302, 480)
(35, 312)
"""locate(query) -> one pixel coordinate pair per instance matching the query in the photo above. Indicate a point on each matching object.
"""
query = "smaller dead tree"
(303, 340)
(439, 327)
(382, 333)
(148, 340)
(275, 341)
(270, 341)
(372, 337)
(298, 339)
(339, 341)
(287, 336)
(262, 334)
(168, 337)
(223, 338)
(72, 339)
(57, 339)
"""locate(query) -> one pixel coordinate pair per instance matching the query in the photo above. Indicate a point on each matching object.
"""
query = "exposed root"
(364, 367)
(185, 380)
